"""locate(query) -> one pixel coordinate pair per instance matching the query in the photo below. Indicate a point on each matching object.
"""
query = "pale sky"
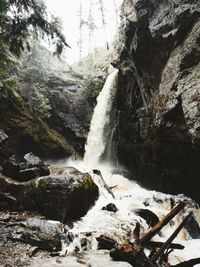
(68, 11)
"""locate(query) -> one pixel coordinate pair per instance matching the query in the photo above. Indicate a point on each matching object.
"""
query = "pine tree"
(19, 21)
(18, 18)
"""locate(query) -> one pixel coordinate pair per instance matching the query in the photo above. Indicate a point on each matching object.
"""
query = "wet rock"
(32, 251)
(33, 172)
(27, 132)
(110, 207)
(150, 217)
(3, 136)
(5, 217)
(24, 171)
(6, 201)
(43, 234)
(90, 258)
(61, 197)
(158, 96)
(11, 169)
(11, 193)
(193, 228)
(32, 159)
(105, 242)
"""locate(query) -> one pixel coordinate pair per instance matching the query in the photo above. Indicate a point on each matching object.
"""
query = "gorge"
(141, 156)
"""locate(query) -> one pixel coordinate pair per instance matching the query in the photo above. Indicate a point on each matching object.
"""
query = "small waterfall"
(100, 127)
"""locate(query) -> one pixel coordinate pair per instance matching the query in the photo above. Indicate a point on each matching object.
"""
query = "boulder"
(24, 171)
(44, 234)
(32, 159)
(33, 172)
(61, 197)
(150, 217)
(32, 229)
(110, 207)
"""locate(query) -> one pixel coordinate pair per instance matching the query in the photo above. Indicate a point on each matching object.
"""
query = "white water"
(128, 194)
(99, 127)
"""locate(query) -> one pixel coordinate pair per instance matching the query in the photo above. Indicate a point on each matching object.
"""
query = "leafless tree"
(102, 11)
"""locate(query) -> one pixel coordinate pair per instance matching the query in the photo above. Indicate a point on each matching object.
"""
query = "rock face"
(159, 94)
(62, 197)
(25, 132)
(71, 110)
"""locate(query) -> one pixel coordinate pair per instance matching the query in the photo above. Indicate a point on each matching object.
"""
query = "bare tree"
(81, 23)
(102, 10)
(91, 27)
(116, 11)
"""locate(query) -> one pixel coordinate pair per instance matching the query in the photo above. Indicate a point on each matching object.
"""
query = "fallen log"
(136, 233)
(166, 245)
(104, 183)
(155, 244)
(189, 263)
(154, 230)
(132, 252)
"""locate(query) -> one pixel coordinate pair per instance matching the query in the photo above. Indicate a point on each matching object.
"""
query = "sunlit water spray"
(128, 194)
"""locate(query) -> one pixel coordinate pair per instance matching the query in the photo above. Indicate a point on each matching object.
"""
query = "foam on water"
(128, 194)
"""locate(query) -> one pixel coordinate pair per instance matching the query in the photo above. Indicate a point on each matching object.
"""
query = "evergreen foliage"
(33, 79)
(19, 21)
(18, 18)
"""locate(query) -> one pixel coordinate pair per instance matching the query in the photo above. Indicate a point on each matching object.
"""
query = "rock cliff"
(159, 94)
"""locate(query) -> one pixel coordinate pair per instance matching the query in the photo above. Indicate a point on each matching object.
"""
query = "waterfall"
(129, 196)
(100, 127)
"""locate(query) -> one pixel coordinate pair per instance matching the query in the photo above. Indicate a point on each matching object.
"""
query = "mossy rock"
(23, 127)
(62, 197)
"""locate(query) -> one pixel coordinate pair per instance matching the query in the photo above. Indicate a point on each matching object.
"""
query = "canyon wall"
(158, 55)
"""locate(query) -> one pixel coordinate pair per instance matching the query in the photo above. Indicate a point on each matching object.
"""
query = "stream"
(128, 195)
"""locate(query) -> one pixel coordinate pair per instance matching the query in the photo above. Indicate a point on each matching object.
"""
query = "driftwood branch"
(154, 230)
(133, 252)
(136, 233)
(155, 244)
(112, 187)
(166, 245)
(189, 263)
(104, 183)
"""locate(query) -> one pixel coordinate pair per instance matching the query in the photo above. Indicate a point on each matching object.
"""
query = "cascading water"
(129, 196)
(100, 127)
